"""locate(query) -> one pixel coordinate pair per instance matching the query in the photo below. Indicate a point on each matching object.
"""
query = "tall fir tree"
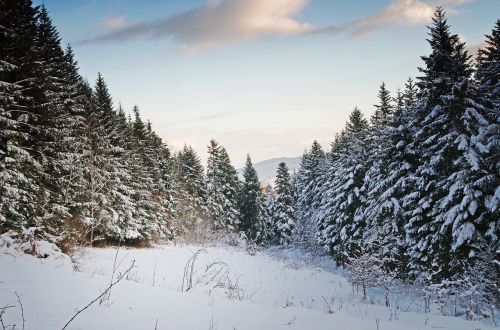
(18, 167)
(252, 217)
(410, 94)
(283, 214)
(222, 188)
(337, 231)
(452, 180)
(190, 199)
(384, 109)
(309, 180)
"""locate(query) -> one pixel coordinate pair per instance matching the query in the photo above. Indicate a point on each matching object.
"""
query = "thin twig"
(154, 274)
(22, 308)
(113, 272)
(101, 295)
(2, 311)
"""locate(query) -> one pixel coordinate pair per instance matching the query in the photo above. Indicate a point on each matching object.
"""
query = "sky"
(263, 77)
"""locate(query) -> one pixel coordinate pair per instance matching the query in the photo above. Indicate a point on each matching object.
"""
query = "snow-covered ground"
(229, 289)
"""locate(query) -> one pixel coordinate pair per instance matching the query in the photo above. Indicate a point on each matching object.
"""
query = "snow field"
(230, 289)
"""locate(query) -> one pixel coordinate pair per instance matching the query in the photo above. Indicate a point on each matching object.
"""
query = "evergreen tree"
(102, 165)
(338, 232)
(387, 188)
(191, 172)
(283, 215)
(58, 124)
(222, 188)
(366, 229)
(446, 63)
(488, 76)
(399, 101)
(190, 199)
(270, 230)
(452, 182)
(252, 217)
(488, 67)
(410, 94)
(309, 179)
(384, 109)
(18, 167)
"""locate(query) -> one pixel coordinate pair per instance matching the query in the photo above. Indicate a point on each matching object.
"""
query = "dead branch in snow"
(2, 311)
(101, 295)
(187, 279)
(22, 308)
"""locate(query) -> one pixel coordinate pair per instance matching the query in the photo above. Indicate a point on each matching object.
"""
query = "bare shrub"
(187, 278)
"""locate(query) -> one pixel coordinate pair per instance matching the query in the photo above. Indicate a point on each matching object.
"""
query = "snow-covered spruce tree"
(390, 191)
(399, 101)
(126, 225)
(283, 213)
(454, 187)
(164, 188)
(59, 120)
(18, 168)
(341, 193)
(467, 210)
(270, 233)
(488, 76)
(309, 180)
(488, 67)
(366, 228)
(222, 189)
(148, 180)
(250, 200)
(72, 146)
(410, 94)
(103, 168)
(384, 109)
(190, 211)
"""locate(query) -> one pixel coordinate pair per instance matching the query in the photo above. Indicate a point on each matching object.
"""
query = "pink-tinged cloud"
(115, 23)
(397, 13)
(219, 23)
(222, 22)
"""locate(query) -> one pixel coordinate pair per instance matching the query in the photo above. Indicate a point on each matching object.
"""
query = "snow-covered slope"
(266, 169)
(230, 289)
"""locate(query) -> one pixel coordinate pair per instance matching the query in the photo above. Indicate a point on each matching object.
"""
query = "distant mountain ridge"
(266, 169)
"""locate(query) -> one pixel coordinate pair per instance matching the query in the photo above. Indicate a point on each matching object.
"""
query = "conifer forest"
(408, 197)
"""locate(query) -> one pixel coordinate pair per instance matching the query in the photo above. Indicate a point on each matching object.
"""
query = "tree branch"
(101, 295)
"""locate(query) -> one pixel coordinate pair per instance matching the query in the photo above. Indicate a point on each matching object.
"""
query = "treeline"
(72, 165)
(75, 169)
(417, 187)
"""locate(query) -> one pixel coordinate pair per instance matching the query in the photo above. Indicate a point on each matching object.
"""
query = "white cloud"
(218, 23)
(222, 22)
(115, 23)
(397, 13)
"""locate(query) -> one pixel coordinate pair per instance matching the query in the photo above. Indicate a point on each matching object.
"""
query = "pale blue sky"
(263, 77)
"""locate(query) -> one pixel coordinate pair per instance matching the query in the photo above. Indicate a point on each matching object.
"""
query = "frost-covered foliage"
(15, 245)
(222, 188)
(252, 205)
(339, 230)
(282, 208)
(75, 166)
(71, 164)
(415, 193)
(308, 181)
